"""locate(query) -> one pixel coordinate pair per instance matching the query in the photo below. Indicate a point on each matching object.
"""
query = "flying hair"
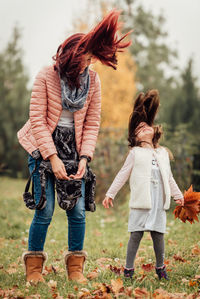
(145, 110)
(102, 42)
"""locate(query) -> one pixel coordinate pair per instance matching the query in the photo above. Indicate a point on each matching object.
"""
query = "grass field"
(105, 242)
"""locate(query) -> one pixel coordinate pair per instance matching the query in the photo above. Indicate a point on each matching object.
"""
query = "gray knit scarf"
(74, 99)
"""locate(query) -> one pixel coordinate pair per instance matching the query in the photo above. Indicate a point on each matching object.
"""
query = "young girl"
(151, 182)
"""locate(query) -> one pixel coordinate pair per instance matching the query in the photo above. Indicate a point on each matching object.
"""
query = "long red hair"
(102, 42)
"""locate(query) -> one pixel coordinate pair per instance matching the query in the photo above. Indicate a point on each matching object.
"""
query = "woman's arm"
(38, 116)
(39, 126)
(92, 121)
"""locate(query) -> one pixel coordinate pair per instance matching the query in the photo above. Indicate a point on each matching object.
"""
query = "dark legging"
(134, 242)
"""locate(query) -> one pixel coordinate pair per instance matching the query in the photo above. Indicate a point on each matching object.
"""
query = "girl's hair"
(144, 110)
(102, 42)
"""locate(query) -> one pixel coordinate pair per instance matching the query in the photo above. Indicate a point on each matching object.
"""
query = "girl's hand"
(107, 201)
(58, 168)
(81, 170)
(180, 201)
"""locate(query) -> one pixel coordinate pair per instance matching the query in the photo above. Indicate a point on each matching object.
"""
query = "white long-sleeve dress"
(153, 219)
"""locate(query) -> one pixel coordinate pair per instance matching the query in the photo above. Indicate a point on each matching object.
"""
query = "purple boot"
(162, 273)
(128, 273)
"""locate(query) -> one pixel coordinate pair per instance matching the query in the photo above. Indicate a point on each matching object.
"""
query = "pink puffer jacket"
(45, 111)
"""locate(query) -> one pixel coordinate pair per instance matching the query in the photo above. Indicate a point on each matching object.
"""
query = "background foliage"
(150, 63)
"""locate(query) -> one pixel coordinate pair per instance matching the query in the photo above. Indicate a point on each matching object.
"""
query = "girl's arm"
(122, 176)
(175, 191)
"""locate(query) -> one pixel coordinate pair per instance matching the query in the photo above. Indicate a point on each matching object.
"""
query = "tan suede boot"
(74, 261)
(34, 262)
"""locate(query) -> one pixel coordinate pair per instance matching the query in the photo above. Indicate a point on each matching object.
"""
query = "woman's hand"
(81, 170)
(180, 201)
(107, 201)
(58, 168)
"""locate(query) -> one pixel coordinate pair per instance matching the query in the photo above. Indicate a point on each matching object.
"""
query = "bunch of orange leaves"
(191, 208)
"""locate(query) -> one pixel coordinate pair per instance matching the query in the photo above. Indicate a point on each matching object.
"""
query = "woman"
(63, 129)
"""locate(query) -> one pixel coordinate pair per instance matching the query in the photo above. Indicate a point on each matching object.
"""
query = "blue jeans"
(42, 218)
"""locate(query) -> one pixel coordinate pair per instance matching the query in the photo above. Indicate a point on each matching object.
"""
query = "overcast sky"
(46, 23)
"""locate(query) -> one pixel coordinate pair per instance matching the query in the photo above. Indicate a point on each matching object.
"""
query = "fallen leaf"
(148, 267)
(116, 270)
(11, 270)
(184, 280)
(71, 296)
(172, 242)
(192, 283)
(196, 250)
(83, 293)
(52, 284)
(129, 291)
(104, 260)
(117, 285)
(93, 274)
(141, 293)
(97, 233)
(179, 258)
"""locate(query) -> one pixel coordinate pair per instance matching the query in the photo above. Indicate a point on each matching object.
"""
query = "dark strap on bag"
(29, 197)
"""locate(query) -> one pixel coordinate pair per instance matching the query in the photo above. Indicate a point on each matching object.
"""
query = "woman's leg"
(159, 248)
(76, 223)
(132, 248)
(42, 218)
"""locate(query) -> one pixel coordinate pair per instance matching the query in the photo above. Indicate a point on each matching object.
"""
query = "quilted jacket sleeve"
(38, 116)
(92, 121)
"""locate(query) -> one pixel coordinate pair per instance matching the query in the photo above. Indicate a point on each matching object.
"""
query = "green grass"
(106, 236)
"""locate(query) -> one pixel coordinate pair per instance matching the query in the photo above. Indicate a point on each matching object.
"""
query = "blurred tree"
(154, 58)
(13, 105)
(118, 89)
(186, 107)
(185, 110)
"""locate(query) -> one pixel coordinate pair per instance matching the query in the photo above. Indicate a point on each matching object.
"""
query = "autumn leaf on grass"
(162, 294)
(179, 258)
(12, 268)
(84, 293)
(191, 209)
(47, 270)
(102, 291)
(116, 270)
(52, 284)
(193, 283)
(141, 293)
(172, 242)
(148, 267)
(93, 274)
(196, 250)
(103, 260)
(117, 285)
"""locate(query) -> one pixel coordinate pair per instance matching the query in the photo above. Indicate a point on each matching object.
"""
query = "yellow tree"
(118, 91)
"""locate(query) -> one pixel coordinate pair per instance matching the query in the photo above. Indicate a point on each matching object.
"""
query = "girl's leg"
(76, 223)
(42, 218)
(159, 248)
(132, 248)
